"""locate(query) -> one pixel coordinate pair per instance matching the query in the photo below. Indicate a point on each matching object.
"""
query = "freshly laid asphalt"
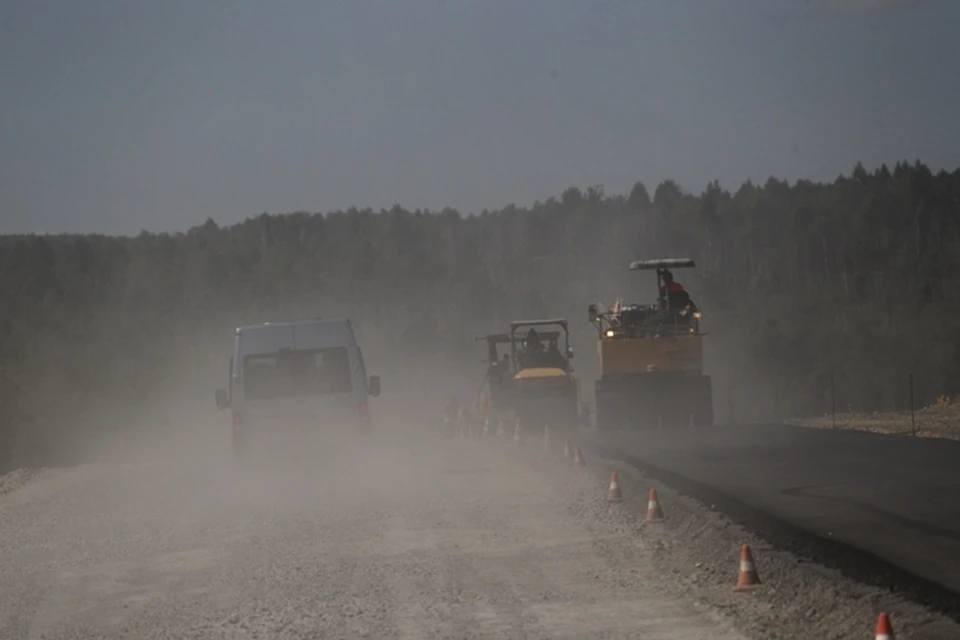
(895, 497)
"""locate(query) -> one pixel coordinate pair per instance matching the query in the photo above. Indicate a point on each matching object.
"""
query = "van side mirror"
(223, 400)
(373, 386)
(569, 353)
(592, 312)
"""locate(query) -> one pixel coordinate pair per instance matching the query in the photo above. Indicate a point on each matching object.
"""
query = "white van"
(304, 376)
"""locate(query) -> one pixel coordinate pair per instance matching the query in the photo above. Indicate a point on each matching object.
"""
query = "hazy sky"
(121, 115)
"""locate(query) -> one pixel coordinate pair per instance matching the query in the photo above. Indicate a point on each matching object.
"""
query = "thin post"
(833, 401)
(913, 422)
(776, 399)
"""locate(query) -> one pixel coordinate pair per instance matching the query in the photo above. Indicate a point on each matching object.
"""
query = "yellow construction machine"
(533, 381)
(651, 358)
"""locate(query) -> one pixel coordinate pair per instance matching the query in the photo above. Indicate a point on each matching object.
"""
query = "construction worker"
(553, 357)
(484, 407)
(500, 372)
(670, 285)
(451, 412)
(532, 350)
(533, 342)
(672, 294)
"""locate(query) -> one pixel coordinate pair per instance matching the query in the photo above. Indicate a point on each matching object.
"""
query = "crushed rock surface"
(403, 537)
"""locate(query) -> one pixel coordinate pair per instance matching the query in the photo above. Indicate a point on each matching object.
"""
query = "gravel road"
(405, 537)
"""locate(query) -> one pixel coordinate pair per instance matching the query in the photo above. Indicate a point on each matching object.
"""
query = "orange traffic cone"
(748, 578)
(884, 628)
(613, 494)
(547, 445)
(578, 460)
(654, 511)
(517, 435)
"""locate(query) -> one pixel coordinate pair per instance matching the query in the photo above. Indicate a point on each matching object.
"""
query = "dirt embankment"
(941, 420)
(17, 479)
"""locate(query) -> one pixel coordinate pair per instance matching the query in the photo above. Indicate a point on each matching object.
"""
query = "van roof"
(289, 323)
(270, 337)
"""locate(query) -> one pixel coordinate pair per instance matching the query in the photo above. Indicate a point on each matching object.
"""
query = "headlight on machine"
(610, 333)
(696, 314)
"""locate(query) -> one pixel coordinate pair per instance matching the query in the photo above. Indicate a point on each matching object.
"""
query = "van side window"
(293, 373)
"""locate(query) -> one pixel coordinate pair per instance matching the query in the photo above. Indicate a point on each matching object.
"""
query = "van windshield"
(288, 373)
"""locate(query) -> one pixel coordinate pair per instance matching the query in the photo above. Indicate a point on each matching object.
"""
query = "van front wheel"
(240, 447)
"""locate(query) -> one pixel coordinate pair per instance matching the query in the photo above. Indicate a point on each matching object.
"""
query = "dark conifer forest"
(857, 280)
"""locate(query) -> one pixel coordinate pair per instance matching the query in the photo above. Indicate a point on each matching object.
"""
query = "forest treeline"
(856, 279)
